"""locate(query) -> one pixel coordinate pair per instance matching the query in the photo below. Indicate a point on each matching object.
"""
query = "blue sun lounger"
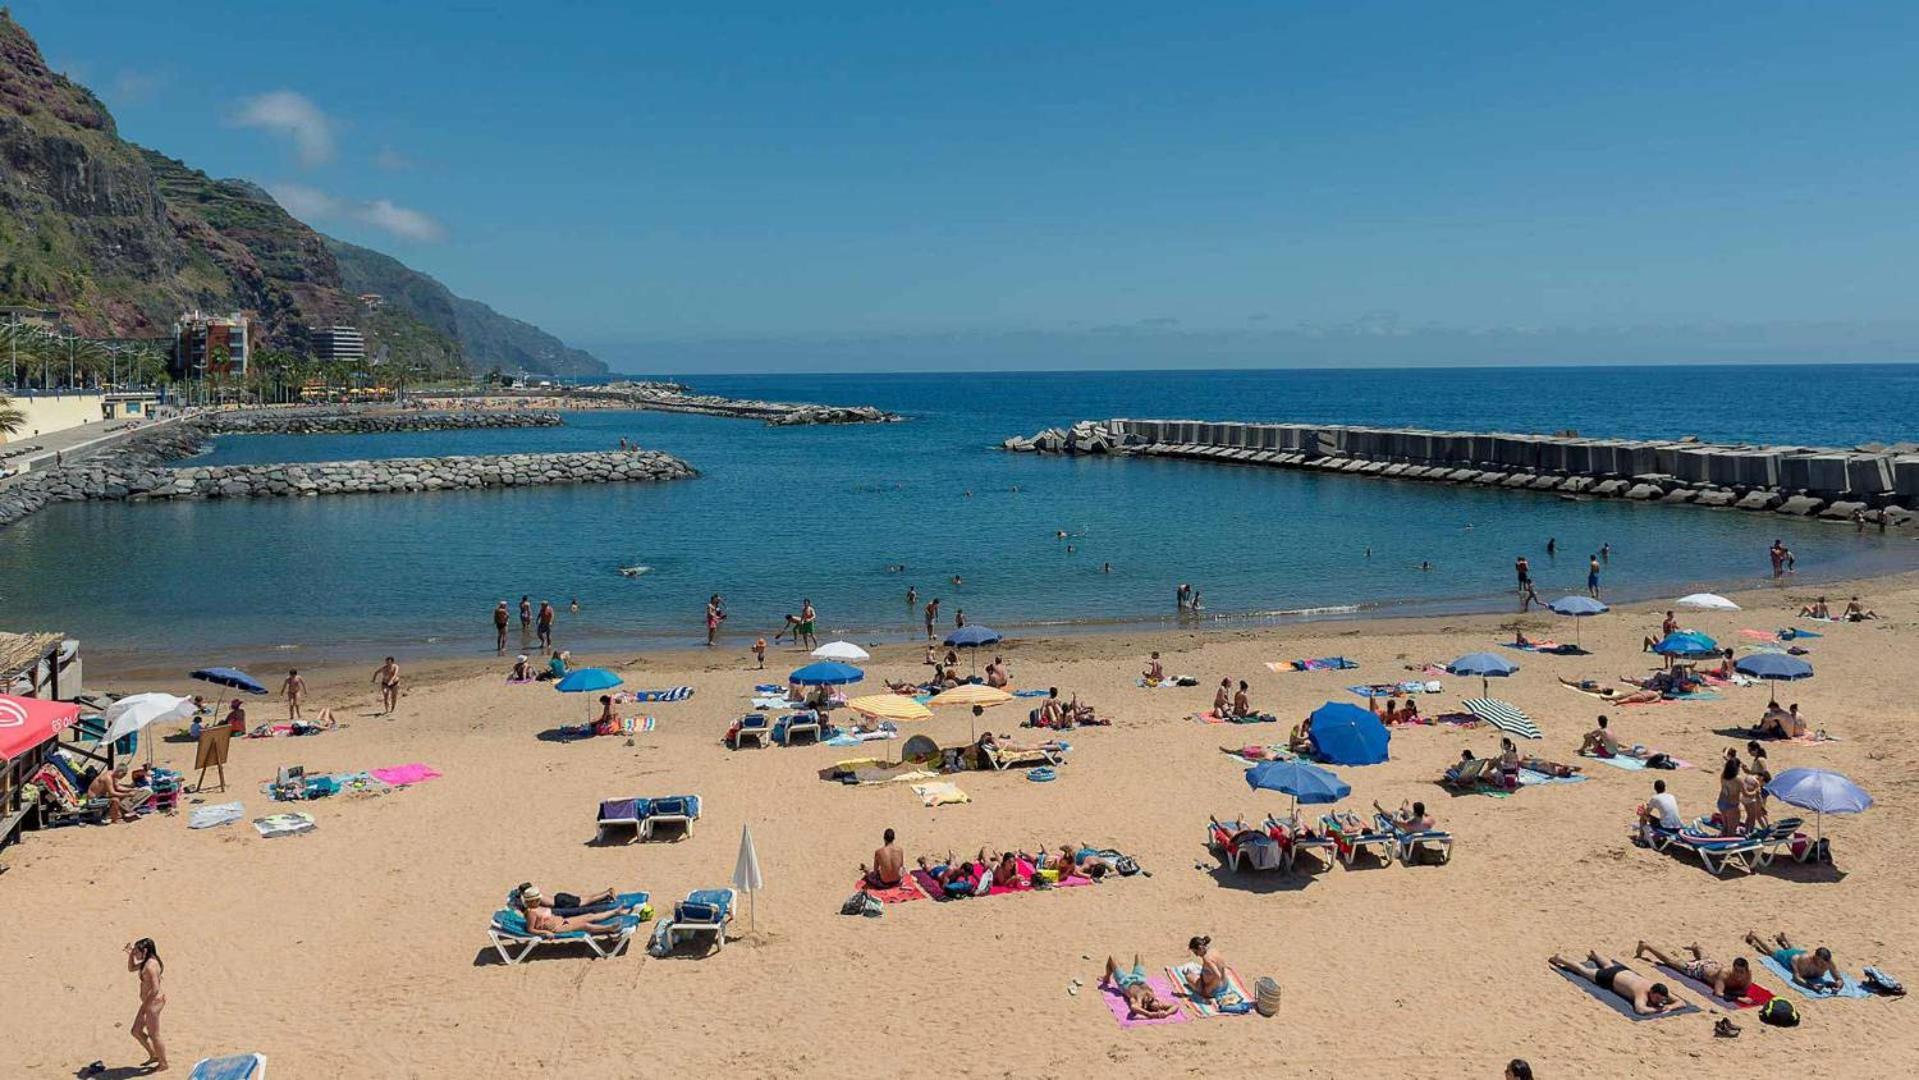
(1716, 852)
(1406, 844)
(514, 942)
(704, 911)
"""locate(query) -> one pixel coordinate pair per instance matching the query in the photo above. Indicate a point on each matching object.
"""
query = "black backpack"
(1779, 1013)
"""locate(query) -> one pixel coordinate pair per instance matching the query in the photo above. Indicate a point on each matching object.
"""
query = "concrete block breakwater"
(299, 421)
(1875, 482)
(671, 397)
(129, 478)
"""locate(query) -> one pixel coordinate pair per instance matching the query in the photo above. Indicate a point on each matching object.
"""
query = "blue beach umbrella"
(1687, 644)
(1346, 734)
(827, 673)
(586, 681)
(1578, 607)
(1483, 664)
(1820, 791)
(233, 678)
(1306, 783)
(1773, 667)
(972, 637)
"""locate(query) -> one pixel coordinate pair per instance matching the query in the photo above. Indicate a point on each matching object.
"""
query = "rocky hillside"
(121, 240)
(489, 339)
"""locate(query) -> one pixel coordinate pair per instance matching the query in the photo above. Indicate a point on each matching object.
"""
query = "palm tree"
(12, 419)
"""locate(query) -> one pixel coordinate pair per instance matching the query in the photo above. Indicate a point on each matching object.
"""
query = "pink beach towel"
(397, 775)
(1161, 988)
(899, 894)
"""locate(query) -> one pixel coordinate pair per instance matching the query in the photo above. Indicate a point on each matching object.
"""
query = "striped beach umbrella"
(1504, 717)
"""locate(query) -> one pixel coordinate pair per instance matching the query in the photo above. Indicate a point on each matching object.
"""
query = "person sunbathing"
(1301, 739)
(1538, 764)
(1856, 613)
(1210, 980)
(1410, 819)
(522, 670)
(1141, 1002)
(1648, 998)
(889, 864)
(1725, 670)
(1006, 873)
(541, 919)
(1223, 699)
(1155, 673)
(1813, 970)
(1666, 629)
(996, 675)
(1080, 713)
(1816, 610)
(1612, 695)
(1600, 742)
(1778, 723)
(565, 904)
(1732, 982)
(952, 871)
(1473, 770)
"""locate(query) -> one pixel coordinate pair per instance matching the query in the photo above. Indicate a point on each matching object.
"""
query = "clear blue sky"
(801, 172)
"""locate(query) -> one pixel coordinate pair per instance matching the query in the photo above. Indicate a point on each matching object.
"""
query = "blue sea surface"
(785, 514)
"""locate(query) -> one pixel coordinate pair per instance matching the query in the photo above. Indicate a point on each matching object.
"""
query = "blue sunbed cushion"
(703, 906)
(673, 806)
(511, 922)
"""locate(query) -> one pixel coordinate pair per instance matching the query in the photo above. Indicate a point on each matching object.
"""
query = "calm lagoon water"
(782, 514)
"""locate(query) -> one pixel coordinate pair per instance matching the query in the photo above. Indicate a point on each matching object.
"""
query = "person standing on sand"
(387, 678)
(759, 652)
(526, 618)
(500, 618)
(545, 625)
(143, 958)
(932, 615)
(294, 689)
(1592, 577)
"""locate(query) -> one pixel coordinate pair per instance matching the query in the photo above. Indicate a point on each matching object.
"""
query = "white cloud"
(294, 117)
(392, 160)
(312, 205)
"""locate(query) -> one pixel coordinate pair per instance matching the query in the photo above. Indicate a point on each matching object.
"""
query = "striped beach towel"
(1504, 717)
(1231, 1001)
(678, 693)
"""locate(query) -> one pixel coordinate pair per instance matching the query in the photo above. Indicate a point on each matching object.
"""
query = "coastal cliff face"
(121, 239)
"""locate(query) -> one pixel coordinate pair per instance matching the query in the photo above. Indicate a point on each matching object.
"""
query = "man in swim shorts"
(1141, 1002)
(1732, 982)
(1813, 970)
(1647, 998)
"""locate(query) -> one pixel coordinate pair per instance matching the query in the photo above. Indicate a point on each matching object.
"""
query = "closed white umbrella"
(746, 875)
(843, 651)
(1706, 601)
(136, 711)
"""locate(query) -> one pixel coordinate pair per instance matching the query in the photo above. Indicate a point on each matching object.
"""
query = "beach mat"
(1209, 1007)
(291, 823)
(397, 775)
(1532, 778)
(905, 892)
(930, 886)
(1851, 988)
(1618, 1004)
(940, 793)
(1116, 1004)
(1633, 764)
(1756, 995)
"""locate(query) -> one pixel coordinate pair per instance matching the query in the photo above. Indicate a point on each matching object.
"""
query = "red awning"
(27, 722)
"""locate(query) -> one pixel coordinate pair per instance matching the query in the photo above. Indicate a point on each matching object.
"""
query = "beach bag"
(1779, 1013)
(1660, 761)
(1126, 865)
(862, 903)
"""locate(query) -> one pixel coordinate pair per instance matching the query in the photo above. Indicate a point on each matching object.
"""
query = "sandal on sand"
(1725, 1028)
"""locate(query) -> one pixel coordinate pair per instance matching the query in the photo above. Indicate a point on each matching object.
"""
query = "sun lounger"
(1407, 844)
(704, 911)
(802, 723)
(1051, 754)
(1782, 837)
(1240, 844)
(1295, 836)
(623, 814)
(231, 1067)
(1352, 838)
(1716, 853)
(755, 727)
(514, 942)
(681, 810)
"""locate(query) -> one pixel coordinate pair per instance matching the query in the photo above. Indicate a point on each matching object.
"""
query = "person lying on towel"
(1732, 982)
(1648, 998)
(1141, 1002)
(1472, 770)
(1814, 970)
(566, 904)
(1076, 860)
(952, 872)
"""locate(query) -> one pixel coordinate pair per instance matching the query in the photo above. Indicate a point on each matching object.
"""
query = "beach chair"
(1295, 836)
(1407, 844)
(624, 814)
(1239, 844)
(704, 911)
(804, 722)
(1351, 838)
(755, 727)
(61, 803)
(1783, 837)
(681, 810)
(231, 1067)
(1049, 754)
(1716, 853)
(514, 942)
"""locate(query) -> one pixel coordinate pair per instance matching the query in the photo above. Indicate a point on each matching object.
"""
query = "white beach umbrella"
(843, 651)
(136, 711)
(1706, 601)
(746, 875)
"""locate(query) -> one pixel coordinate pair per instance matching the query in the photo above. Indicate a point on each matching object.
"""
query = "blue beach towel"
(1850, 989)
(234, 1067)
(678, 693)
(1529, 778)
(1029, 693)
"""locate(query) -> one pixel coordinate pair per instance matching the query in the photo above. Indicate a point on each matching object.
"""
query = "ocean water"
(785, 514)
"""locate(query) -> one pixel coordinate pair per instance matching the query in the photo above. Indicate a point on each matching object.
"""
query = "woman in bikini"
(1210, 980)
(1731, 795)
(1223, 699)
(144, 958)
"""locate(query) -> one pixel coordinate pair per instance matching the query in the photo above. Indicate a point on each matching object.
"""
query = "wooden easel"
(212, 754)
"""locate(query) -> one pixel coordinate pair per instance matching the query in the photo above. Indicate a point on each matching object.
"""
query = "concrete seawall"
(301, 421)
(669, 397)
(1872, 482)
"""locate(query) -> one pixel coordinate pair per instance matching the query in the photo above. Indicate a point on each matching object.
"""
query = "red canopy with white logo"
(27, 722)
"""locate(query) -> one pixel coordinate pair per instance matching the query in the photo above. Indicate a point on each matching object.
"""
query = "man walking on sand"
(500, 618)
(294, 689)
(387, 678)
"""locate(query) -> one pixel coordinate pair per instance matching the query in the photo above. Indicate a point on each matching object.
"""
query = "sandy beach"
(360, 949)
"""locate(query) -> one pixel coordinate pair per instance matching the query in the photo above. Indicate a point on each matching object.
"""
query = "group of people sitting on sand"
(1784, 722)
(1854, 612)
(1600, 742)
(1208, 980)
(1060, 715)
(523, 670)
(1002, 869)
(1231, 704)
(1502, 771)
